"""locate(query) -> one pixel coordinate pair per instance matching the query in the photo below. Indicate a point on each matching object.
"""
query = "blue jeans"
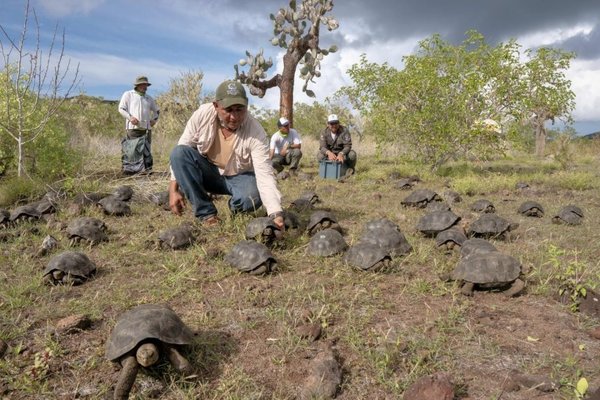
(197, 177)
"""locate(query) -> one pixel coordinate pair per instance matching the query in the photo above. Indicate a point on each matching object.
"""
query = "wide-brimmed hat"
(141, 80)
(230, 93)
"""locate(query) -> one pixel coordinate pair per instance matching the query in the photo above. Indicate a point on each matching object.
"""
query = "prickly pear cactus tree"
(297, 29)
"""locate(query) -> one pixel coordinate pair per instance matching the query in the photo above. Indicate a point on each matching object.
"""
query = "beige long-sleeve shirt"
(250, 151)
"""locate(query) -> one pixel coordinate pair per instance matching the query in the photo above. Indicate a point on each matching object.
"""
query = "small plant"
(41, 364)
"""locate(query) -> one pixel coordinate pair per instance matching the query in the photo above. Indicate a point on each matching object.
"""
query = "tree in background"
(35, 86)
(452, 101)
(296, 29)
(546, 92)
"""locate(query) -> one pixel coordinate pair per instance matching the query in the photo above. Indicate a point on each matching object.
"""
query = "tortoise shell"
(476, 246)
(379, 223)
(389, 239)
(569, 215)
(320, 220)
(76, 267)
(252, 257)
(437, 206)
(433, 223)
(452, 236)
(176, 238)
(86, 199)
(144, 322)
(489, 225)
(161, 199)
(483, 206)
(4, 217)
(44, 206)
(262, 229)
(291, 220)
(531, 209)
(404, 184)
(419, 198)
(24, 212)
(327, 242)
(123, 193)
(87, 228)
(368, 257)
(310, 196)
(301, 205)
(493, 269)
(113, 206)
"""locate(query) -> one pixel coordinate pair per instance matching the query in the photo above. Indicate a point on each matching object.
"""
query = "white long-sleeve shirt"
(144, 108)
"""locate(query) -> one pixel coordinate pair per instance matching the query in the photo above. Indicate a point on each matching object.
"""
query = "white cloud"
(585, 79)
(551, 36)
(62, 8)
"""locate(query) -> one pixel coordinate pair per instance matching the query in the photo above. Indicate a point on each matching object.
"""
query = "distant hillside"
(594, 135)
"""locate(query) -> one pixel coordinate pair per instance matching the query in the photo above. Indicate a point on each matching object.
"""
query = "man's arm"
(176, 200)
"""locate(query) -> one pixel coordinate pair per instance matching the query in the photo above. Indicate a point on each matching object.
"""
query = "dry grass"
(388, 329)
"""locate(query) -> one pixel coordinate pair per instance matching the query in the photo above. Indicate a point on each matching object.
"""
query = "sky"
(113, 41)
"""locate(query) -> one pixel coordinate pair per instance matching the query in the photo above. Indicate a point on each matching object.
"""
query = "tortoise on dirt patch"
(420, 198)
(320, 220)
(404, 184)
(263, 230)
(389, 239)
(70, 267)
(113, 206)
(141, 336)
(569, 215)
(450, 238)
(437, 206)
(4, 217)
(483, 206)
(492, 270)
(475, 246)
(251, 257)
(452, 196)
(87, 228)
(24, 213)
(368, 257)
(379, 223)
(490, 225)
(176, 238)
(531, 209)
(327, 242)
(433, 223)
(521, 185)
(123, 193)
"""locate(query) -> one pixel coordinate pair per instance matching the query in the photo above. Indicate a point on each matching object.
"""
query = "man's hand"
(134, 120)
(340, 157)
(331, 156)
(279, 222)
(176, 200)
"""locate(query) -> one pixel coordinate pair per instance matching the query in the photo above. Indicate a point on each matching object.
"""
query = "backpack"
(132, 154)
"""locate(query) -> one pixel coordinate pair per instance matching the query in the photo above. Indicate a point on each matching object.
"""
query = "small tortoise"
(320, 220)
(450, 238)
(433, 223)
(483, 206)
(263, 230)
(379, 223)
(161, 199)
(389, 239)
(123, 193)
(313, 197)
(438, 206)
(176, 238)
(70, 267)
(44, 206)
(251, 257)
(86, 199)
(113, 206)
(404, 184)
(291, 220)
(569, 215)
(492, 270)
(490, 225)
(301, 205)
(141, 336)
(368, 257)
(531, 209)
(87, 228)
(420, 198)
(475, 246)
(25, 213)
(327, 242)
(452, 196)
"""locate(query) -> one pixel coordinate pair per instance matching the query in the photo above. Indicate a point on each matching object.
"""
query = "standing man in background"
(141, 114)
(285, 147)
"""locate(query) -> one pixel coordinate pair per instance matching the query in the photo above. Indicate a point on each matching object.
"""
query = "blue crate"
(331, 169)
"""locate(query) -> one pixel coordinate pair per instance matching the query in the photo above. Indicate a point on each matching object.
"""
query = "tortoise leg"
(516, 288)
(147, 354)
(467, 288)
(178, 361)
(126, 377)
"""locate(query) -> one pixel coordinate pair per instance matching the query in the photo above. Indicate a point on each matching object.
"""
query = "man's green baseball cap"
(230, 93)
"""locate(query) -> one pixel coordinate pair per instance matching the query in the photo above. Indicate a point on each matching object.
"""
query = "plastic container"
(331, 169)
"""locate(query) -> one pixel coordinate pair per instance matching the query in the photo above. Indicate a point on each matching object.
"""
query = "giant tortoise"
(389, 239)
(69, 267)
(433, 223)
(531, 208)
(90, 229)
(368, 257)
(490, 225)
(568, 215)
(141, 336)
(327, 242)
(420, 198)
(252, 257)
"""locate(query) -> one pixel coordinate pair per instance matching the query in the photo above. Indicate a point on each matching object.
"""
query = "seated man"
(335, 144)
(223, 150)
(285, 147)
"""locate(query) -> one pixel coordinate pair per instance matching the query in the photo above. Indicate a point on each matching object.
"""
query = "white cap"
(332, 118)
(283, 121)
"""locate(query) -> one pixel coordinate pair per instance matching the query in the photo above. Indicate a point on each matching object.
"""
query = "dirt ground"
(385, 330)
